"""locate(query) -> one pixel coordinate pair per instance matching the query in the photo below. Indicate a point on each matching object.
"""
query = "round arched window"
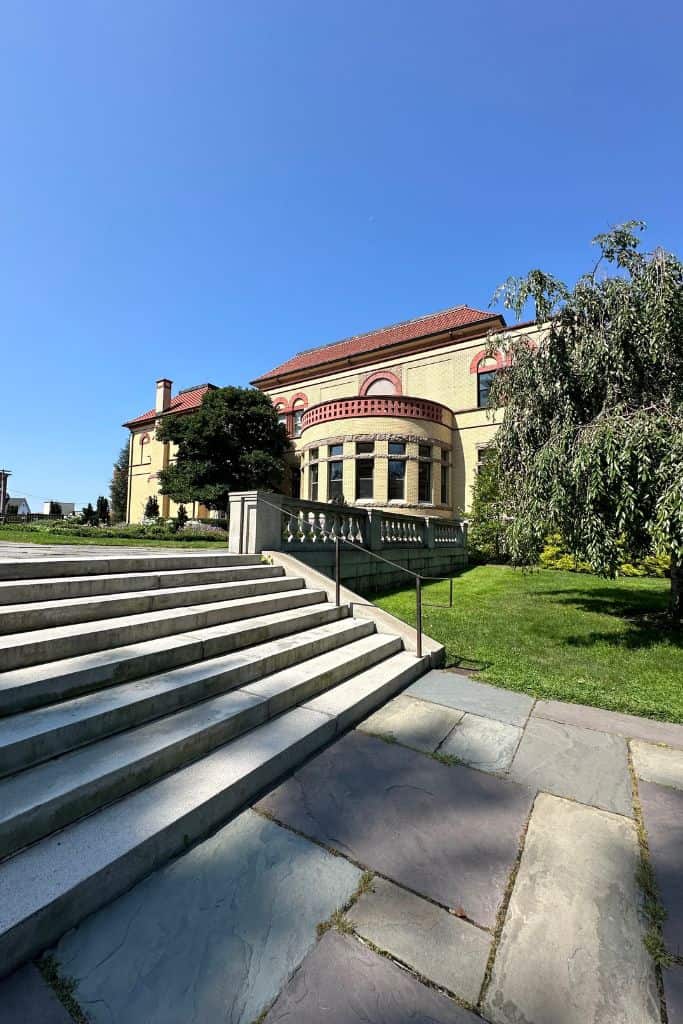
(381, 386)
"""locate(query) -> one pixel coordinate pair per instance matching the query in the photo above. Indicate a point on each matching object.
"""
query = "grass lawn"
(558, 635)
(20, 536)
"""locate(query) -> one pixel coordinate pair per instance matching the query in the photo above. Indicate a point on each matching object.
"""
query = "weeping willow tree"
(591, 438)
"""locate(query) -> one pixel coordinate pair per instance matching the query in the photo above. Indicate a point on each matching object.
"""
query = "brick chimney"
(163, 395)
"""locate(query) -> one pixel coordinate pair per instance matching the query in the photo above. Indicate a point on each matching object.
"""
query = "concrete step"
(13, 592)
(34, 736)
(18, 650)
(21, 618)
(44, 568)
(27, 688)
(38, 801)
(48, 887)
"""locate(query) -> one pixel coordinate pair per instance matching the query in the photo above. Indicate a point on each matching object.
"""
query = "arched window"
(381, 382)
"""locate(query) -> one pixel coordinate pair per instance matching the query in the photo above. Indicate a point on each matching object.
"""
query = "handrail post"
(418, 600)
(337, 571)
(450, 594)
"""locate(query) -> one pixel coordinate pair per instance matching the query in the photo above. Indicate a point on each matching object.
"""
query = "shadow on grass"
(643, 613)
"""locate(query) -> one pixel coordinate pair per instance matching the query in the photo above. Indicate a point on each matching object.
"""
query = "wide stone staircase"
(144, 700)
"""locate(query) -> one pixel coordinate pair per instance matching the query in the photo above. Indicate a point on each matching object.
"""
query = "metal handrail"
(337, 571)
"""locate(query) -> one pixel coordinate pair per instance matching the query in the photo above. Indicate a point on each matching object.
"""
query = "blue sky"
(198, 190)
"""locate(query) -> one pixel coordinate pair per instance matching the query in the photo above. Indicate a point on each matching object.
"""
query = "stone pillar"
(374, 540)
(429, 541)
(255, 522)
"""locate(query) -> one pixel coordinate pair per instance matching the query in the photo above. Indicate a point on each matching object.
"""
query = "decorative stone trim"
(397, 406)
(480, 356)
(381, 375)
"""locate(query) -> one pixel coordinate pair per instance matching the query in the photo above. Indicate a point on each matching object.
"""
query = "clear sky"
(197, 190)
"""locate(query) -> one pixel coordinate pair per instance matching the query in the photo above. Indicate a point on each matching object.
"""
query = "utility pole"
(4, 476)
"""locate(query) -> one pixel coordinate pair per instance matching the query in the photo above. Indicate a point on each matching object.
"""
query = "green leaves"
(233, 442)
(591, 441)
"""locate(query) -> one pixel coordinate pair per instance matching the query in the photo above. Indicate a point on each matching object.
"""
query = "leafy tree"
(487, 520)
(181, 517)
(55, 508)
(118, 487)
(89, 515)
(233, 442)
(152, 507)
(102, 509)
(591, 440)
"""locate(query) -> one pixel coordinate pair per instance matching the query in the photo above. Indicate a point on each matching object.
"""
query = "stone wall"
(361, 572)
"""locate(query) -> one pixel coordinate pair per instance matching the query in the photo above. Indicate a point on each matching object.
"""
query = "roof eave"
(463, 333)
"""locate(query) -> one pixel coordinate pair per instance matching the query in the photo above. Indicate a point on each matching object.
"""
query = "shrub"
(556, 556)
(152, 507)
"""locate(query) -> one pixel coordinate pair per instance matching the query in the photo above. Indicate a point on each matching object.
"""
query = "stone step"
(41, 800)
(49, 886)
(18, 650)
(44, 568)
(21, 618)
(27, 688)
(13, 592)
(34, 736)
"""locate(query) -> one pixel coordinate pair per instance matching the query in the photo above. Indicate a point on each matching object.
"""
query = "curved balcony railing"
(398, 406)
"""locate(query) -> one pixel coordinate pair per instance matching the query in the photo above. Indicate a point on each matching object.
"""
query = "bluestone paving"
(673, 993)
(344, 982)
(26, 998)
(458, 691)
(213, 936)
(658, 764)
(439, 946)
(571, 950)
(588, 766)
(483, 743)
(447, 832)
(663, 815)
(415, 723)
(610, 721)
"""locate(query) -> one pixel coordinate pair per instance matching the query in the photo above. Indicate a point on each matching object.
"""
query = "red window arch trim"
(381, 375)
(284, 405)
(298, 400)
(481, 356)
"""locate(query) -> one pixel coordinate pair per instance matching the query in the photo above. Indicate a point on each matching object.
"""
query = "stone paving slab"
(658, 764)
(447, 832)
(610, 721)
(414, 723)
(663, 814)
(212, 936)
(458, 691)
(588, 766)
(26, 998)
(571, 950)
(483, 743)
(344, 982)
(446, 950)
(673, 993)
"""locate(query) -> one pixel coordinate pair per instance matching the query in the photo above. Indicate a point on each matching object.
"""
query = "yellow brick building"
(396, 418)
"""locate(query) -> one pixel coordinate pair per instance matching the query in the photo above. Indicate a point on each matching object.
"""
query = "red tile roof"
(185, 401)
(408, 330)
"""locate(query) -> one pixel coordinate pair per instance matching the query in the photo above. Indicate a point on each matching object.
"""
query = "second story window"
(484, 381)
(313, 482)
(444, 477)
(364, 478)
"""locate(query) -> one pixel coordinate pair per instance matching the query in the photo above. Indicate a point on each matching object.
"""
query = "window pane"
(397, 477)
(424, 451)
(424, 488)
(397, 448)
(313, 483)
(298, 413)
(312, 454)
(364, 472)
(444, 484)
(365, 447)
(282, 419)
(484, 381)
(335, 471)
(335, 449)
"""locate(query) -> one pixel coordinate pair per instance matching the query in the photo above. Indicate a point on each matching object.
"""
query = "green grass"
(21, 536)
(559, 636)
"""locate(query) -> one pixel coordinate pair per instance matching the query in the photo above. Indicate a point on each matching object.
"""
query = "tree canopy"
(591, 438)
(118, 487)
(233, 442)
